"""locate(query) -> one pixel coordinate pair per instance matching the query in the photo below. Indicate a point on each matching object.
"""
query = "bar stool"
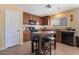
(35, 40)
(53, 42)
(53, 39)
(45, 46)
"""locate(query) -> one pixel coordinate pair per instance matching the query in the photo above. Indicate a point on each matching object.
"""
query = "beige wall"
(76, 18)
(67, 13)
(74, 23)
(2, 22)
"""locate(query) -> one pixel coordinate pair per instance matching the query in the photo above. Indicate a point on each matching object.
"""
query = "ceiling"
(42, 10)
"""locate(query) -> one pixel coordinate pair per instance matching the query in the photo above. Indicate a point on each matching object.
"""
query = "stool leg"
(32, 47)
(54, 44)
(44, 50)
(50, 49)
(36, 47)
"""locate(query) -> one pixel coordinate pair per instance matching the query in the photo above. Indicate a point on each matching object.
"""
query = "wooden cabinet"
(67, 37)
(40, 20)
(45, 20)
(58, 36)
(26, 36)
(27, 17)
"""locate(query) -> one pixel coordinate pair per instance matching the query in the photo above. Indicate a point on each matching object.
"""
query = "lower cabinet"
(77, 41)
(66, 37)
(26, 36)
(58, 36)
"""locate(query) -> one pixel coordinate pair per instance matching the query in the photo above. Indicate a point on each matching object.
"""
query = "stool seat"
(52, 38)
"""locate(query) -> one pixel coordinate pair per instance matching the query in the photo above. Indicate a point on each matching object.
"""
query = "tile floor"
(25, 49)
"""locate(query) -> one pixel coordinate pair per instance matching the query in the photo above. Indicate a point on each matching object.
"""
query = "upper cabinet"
(45, 20)
(39, 20)
(27, 17)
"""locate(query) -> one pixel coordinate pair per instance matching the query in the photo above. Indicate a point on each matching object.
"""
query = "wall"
(74, 23)
(2, 22)
(76, 18)
(67, 14)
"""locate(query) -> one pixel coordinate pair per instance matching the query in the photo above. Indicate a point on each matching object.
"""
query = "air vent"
(48, 6)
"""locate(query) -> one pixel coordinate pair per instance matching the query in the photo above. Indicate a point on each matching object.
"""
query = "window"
(59, 21)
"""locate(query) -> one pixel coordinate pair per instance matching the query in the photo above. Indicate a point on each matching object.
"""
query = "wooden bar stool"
(35, 43)
(52, 37)
(45, 46)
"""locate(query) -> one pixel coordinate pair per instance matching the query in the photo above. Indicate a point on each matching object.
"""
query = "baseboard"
(21, 43)
(2, 49)
(6, 47)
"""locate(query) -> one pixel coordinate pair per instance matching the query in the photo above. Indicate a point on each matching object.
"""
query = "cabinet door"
(45, 21)
(26, 18)
(58, 36)
(40, 20)
(26, 36)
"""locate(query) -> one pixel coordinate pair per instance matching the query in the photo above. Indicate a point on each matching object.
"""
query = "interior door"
(12, 28)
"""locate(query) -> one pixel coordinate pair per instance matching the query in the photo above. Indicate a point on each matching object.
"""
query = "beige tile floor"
(63, 49)
(25, 49)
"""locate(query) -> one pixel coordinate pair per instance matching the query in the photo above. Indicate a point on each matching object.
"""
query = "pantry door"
(12, 28)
